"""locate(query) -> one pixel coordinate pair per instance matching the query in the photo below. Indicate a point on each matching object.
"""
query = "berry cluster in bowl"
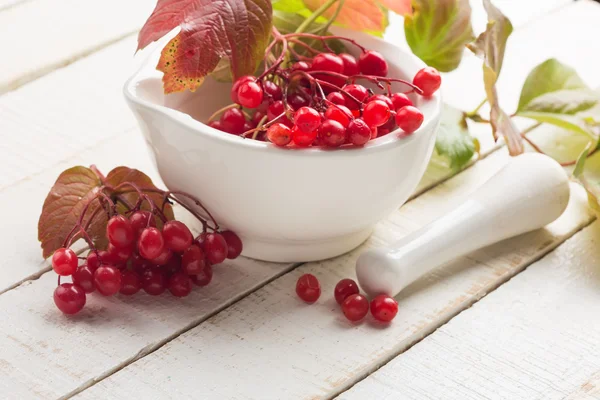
(320, 101)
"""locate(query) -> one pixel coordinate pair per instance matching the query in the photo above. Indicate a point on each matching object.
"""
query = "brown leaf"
(124, 174)
(490, 47)
(73, 189)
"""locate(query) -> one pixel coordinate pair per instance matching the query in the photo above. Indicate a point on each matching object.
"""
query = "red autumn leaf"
(73, 189)
(210, 31)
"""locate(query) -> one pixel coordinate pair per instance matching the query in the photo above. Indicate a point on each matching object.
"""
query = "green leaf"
(563, 101)
(570, 122)
(548, 77)
(438, 31)
(580, 164)
(290, 6)
(453, 139)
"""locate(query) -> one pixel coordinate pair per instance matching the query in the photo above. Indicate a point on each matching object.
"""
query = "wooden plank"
(535, 337)
(6, 4)
(60, 32)
(90, 26)
(46, 354)
(271, 345)
(73, 109)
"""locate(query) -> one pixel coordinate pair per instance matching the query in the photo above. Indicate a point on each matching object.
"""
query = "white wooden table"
(518, 320)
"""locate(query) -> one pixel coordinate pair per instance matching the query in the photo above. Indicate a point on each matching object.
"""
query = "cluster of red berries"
(317, 102)
(141, 256)
(355, 306)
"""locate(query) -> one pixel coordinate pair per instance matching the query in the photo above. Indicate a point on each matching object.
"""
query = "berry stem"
(476, 110)
(313, 17)
(324, 39)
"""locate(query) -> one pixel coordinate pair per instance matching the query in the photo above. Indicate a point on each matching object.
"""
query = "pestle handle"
(528, 193)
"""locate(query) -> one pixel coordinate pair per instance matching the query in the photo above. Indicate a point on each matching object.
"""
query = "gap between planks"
(415, 338)
(156, 346)
(505, 279)
(47, 69)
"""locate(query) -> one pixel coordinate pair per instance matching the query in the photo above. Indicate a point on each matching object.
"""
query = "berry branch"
(313, 99)
(134, 244)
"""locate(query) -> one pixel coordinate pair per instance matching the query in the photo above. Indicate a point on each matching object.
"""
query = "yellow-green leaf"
(438, 31)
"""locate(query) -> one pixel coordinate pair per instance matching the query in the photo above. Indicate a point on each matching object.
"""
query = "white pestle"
(528, 193)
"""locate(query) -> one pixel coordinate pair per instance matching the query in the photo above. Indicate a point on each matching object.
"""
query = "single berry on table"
(84, 277)
(215, 248)
(177, 236)
(400, 100)
(409, 119)
(428, 80)
(307, 119)
(279, 134)
(372, 63)
(131, 283)
(64, 261)
(376, 113)
(384, 308)
(343, 289)
(204, 277)
(358, 132)
(107, 280)
(250, 95)
(234, 244)
(150, 243)
(119, 231)
(355, 307)
(192, 261)
(308, 288)
(69, 298)
(180, 284)
(332, 133)
(303, 139)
